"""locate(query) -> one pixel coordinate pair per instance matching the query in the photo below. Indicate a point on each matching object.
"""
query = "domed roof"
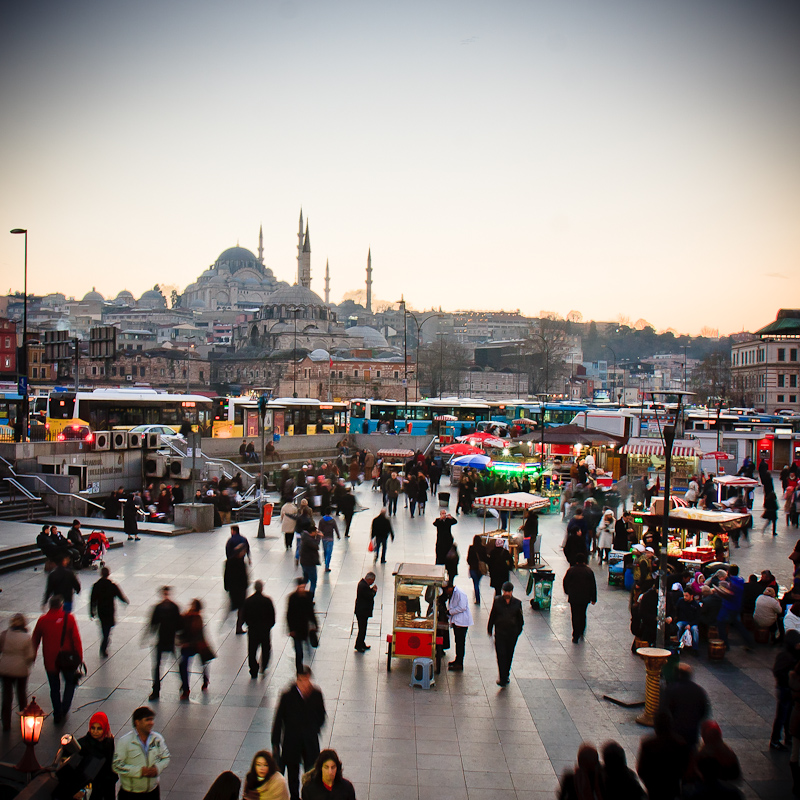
(294, 296)
(319, 355)
(152, 299)
(236, 258)
(124, 295)
(93, 295)
(372, 338)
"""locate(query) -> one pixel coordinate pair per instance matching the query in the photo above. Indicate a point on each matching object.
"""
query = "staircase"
(29, 555)
(21, 509)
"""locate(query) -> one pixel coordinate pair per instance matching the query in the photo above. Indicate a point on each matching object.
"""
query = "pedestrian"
(264, 780)
(506, 620)
(98, 746)
(687, 704)
(451, 563)
(581, 589)
(624, 532)
(434, 476)
(300, 619)
(235, 582)
(226, 786)
(605, 535)
(62, 652)
(165, 622)
(422, 492)
(347, 507)
(140, 757)
(328, 527)
(380, 533)
(444, 534)
(16, 658)
(477, 561)
(309, 558)
(129, 518)
(63, 582)
(687, 613)
(619, 781)
(460, 621)
(325, 781)
(76, 540)
(289, 514)
(102, 603)
(770, 512)
(365, 602)
(237, 545)
(258, 614)
(193, 643)
(500, 566)
(577, 539)
(785, 662)
(731, 611)
(295, 731)
(585, 782)
(392, 490)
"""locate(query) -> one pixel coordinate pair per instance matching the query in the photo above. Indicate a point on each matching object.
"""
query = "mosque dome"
(152, 299)
(235, 258)
(372, 338)
(126, 296)
(319, 355)
(93, 296)
(294, 296)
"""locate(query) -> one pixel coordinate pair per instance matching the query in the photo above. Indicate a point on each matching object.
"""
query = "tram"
(239, 417)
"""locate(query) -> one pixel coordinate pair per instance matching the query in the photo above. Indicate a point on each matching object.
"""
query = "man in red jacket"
(58, 632)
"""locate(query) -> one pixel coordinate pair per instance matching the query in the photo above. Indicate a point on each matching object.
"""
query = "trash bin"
(444, 499)
(267, 513)
(542, 580)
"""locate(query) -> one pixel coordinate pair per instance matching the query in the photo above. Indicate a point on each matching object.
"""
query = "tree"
(711, 378)
(440, 364)
(545, 353)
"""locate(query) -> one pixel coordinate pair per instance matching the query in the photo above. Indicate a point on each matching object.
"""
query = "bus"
(420, 418)
(110, 409)
(239, 417)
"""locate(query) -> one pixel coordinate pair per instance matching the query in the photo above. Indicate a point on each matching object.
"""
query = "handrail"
(63, 494)
(17, 485)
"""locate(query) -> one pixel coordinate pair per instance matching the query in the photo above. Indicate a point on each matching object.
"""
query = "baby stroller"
(96, 546)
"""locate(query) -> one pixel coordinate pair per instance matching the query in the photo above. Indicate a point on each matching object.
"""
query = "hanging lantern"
(31, 719)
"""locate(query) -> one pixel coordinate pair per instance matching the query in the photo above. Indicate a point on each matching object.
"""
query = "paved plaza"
(465, 738)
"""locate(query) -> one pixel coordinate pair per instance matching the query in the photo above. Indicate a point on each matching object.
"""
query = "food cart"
(414, 633)
(738, 482)
(513, 501)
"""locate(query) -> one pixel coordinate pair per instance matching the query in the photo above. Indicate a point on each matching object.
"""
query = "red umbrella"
(461, 450)
(483, 438)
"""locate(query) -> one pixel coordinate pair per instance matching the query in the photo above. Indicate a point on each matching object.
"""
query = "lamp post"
(684, 347)
(542, 399)
(31, 719)
(441, 336)
(613, 353)
(546, 362)
(294, 310)
(419, 325)
(189, 347)
(22, 369)
(405, 358)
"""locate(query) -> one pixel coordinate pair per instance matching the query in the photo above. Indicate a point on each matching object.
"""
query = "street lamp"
(684, 347)
(22, 369)
(546, 361)
(441, 336)
(31, 719)
(419, 325)
(294, 310)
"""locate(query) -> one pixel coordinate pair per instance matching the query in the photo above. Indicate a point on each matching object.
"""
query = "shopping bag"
(371, 546)
(686, 639)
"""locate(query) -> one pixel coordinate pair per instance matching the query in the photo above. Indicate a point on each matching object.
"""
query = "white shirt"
(458, 606)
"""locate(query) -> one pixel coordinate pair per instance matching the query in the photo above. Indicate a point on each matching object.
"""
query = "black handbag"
(67, 660)
(313, 637)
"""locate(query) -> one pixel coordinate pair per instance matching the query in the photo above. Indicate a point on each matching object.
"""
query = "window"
(793, 354)
(355, 373)
(781, 381)
(781, 354)
(141, 371)
(341, 373)
(35, 372)
(8, 342)
(114, 371)
(378, 373)
(793, 381)
(396, 374)
(162, 372)
(94, 370)
(780, 398)
(202, 376)
(792, 398)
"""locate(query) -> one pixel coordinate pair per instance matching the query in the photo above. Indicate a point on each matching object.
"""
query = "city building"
(8, 349)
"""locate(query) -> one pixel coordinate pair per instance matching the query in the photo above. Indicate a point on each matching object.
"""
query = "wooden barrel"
(761, 635)
(637, 643)
(713, 633)
(716, 649)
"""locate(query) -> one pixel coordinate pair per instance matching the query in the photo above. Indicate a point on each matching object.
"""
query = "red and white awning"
(737, 481)
(397, 452)
(658, 450)
(513, 500)
(445, 418)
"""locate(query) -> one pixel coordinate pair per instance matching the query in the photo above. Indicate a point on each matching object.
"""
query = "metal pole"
(22, 369)
(76, 345)
(294, 357)
(261, 533)
(405, 357)
(441, 363)
(669, 438)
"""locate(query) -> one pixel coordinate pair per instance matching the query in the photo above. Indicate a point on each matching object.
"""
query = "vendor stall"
(646, 459)
(513, 501)
(737, 482)
(395, 457)
(414, 633)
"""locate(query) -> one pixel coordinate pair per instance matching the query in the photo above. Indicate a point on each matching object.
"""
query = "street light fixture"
(419, 324)
(441, 336)
(31, 719)
(294, 310)
(22, 369)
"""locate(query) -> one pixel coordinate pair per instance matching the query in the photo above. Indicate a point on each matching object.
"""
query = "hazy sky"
(636, 157)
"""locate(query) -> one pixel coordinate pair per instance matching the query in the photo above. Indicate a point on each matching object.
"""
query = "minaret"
(299, 247)
(327, 283)
(305, 261)
(261, 245)
(369, 281)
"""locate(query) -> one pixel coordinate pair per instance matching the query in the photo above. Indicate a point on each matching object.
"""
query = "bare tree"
(440, 364)
(711, 379)
(545, 354)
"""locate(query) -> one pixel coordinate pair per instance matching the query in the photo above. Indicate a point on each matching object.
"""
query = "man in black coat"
(663, 759)
(687, 704)
(347, 506)
(381, 531)
(235, 580)
(63, 582)
(581, 589)
(506, 620)
(165, 622)
(101, 605)
(365, 601)
(300, 619)
(295, 732)
(259, 617)
(75, 538)
(444, 535)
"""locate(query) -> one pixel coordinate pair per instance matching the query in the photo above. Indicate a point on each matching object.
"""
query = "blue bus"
(424, 417)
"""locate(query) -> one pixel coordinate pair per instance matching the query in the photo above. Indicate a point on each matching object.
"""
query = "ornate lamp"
(31, 720)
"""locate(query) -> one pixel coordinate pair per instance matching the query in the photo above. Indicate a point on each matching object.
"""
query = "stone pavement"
(464, 739)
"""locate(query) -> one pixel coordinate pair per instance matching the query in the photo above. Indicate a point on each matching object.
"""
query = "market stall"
(737, 482)
(646, 459)
(395, 457)
(513, 501)
(414, 633)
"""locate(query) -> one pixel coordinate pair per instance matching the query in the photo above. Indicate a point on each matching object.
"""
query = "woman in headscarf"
(697, 583)
(714, 748)
(16, 658)
(98, 744)
(264, 781)
(605, 535)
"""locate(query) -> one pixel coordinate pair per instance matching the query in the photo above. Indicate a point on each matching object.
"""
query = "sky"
(634, 158)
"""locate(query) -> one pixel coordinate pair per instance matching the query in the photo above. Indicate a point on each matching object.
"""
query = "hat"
(649, 550)
(284, 466)
(769, 591)
(639, 548)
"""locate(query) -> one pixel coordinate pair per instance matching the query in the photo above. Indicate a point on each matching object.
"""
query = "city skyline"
(630, 160)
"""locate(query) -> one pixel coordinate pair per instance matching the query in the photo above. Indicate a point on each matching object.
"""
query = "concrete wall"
(380, 441)
(288, 447)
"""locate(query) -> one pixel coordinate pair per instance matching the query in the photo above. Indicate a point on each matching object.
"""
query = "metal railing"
(21, 489)
(55, 491)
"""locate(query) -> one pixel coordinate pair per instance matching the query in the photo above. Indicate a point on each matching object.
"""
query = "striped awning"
(445, 418)
(397, 452)
(513, 500)
(658, 450)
